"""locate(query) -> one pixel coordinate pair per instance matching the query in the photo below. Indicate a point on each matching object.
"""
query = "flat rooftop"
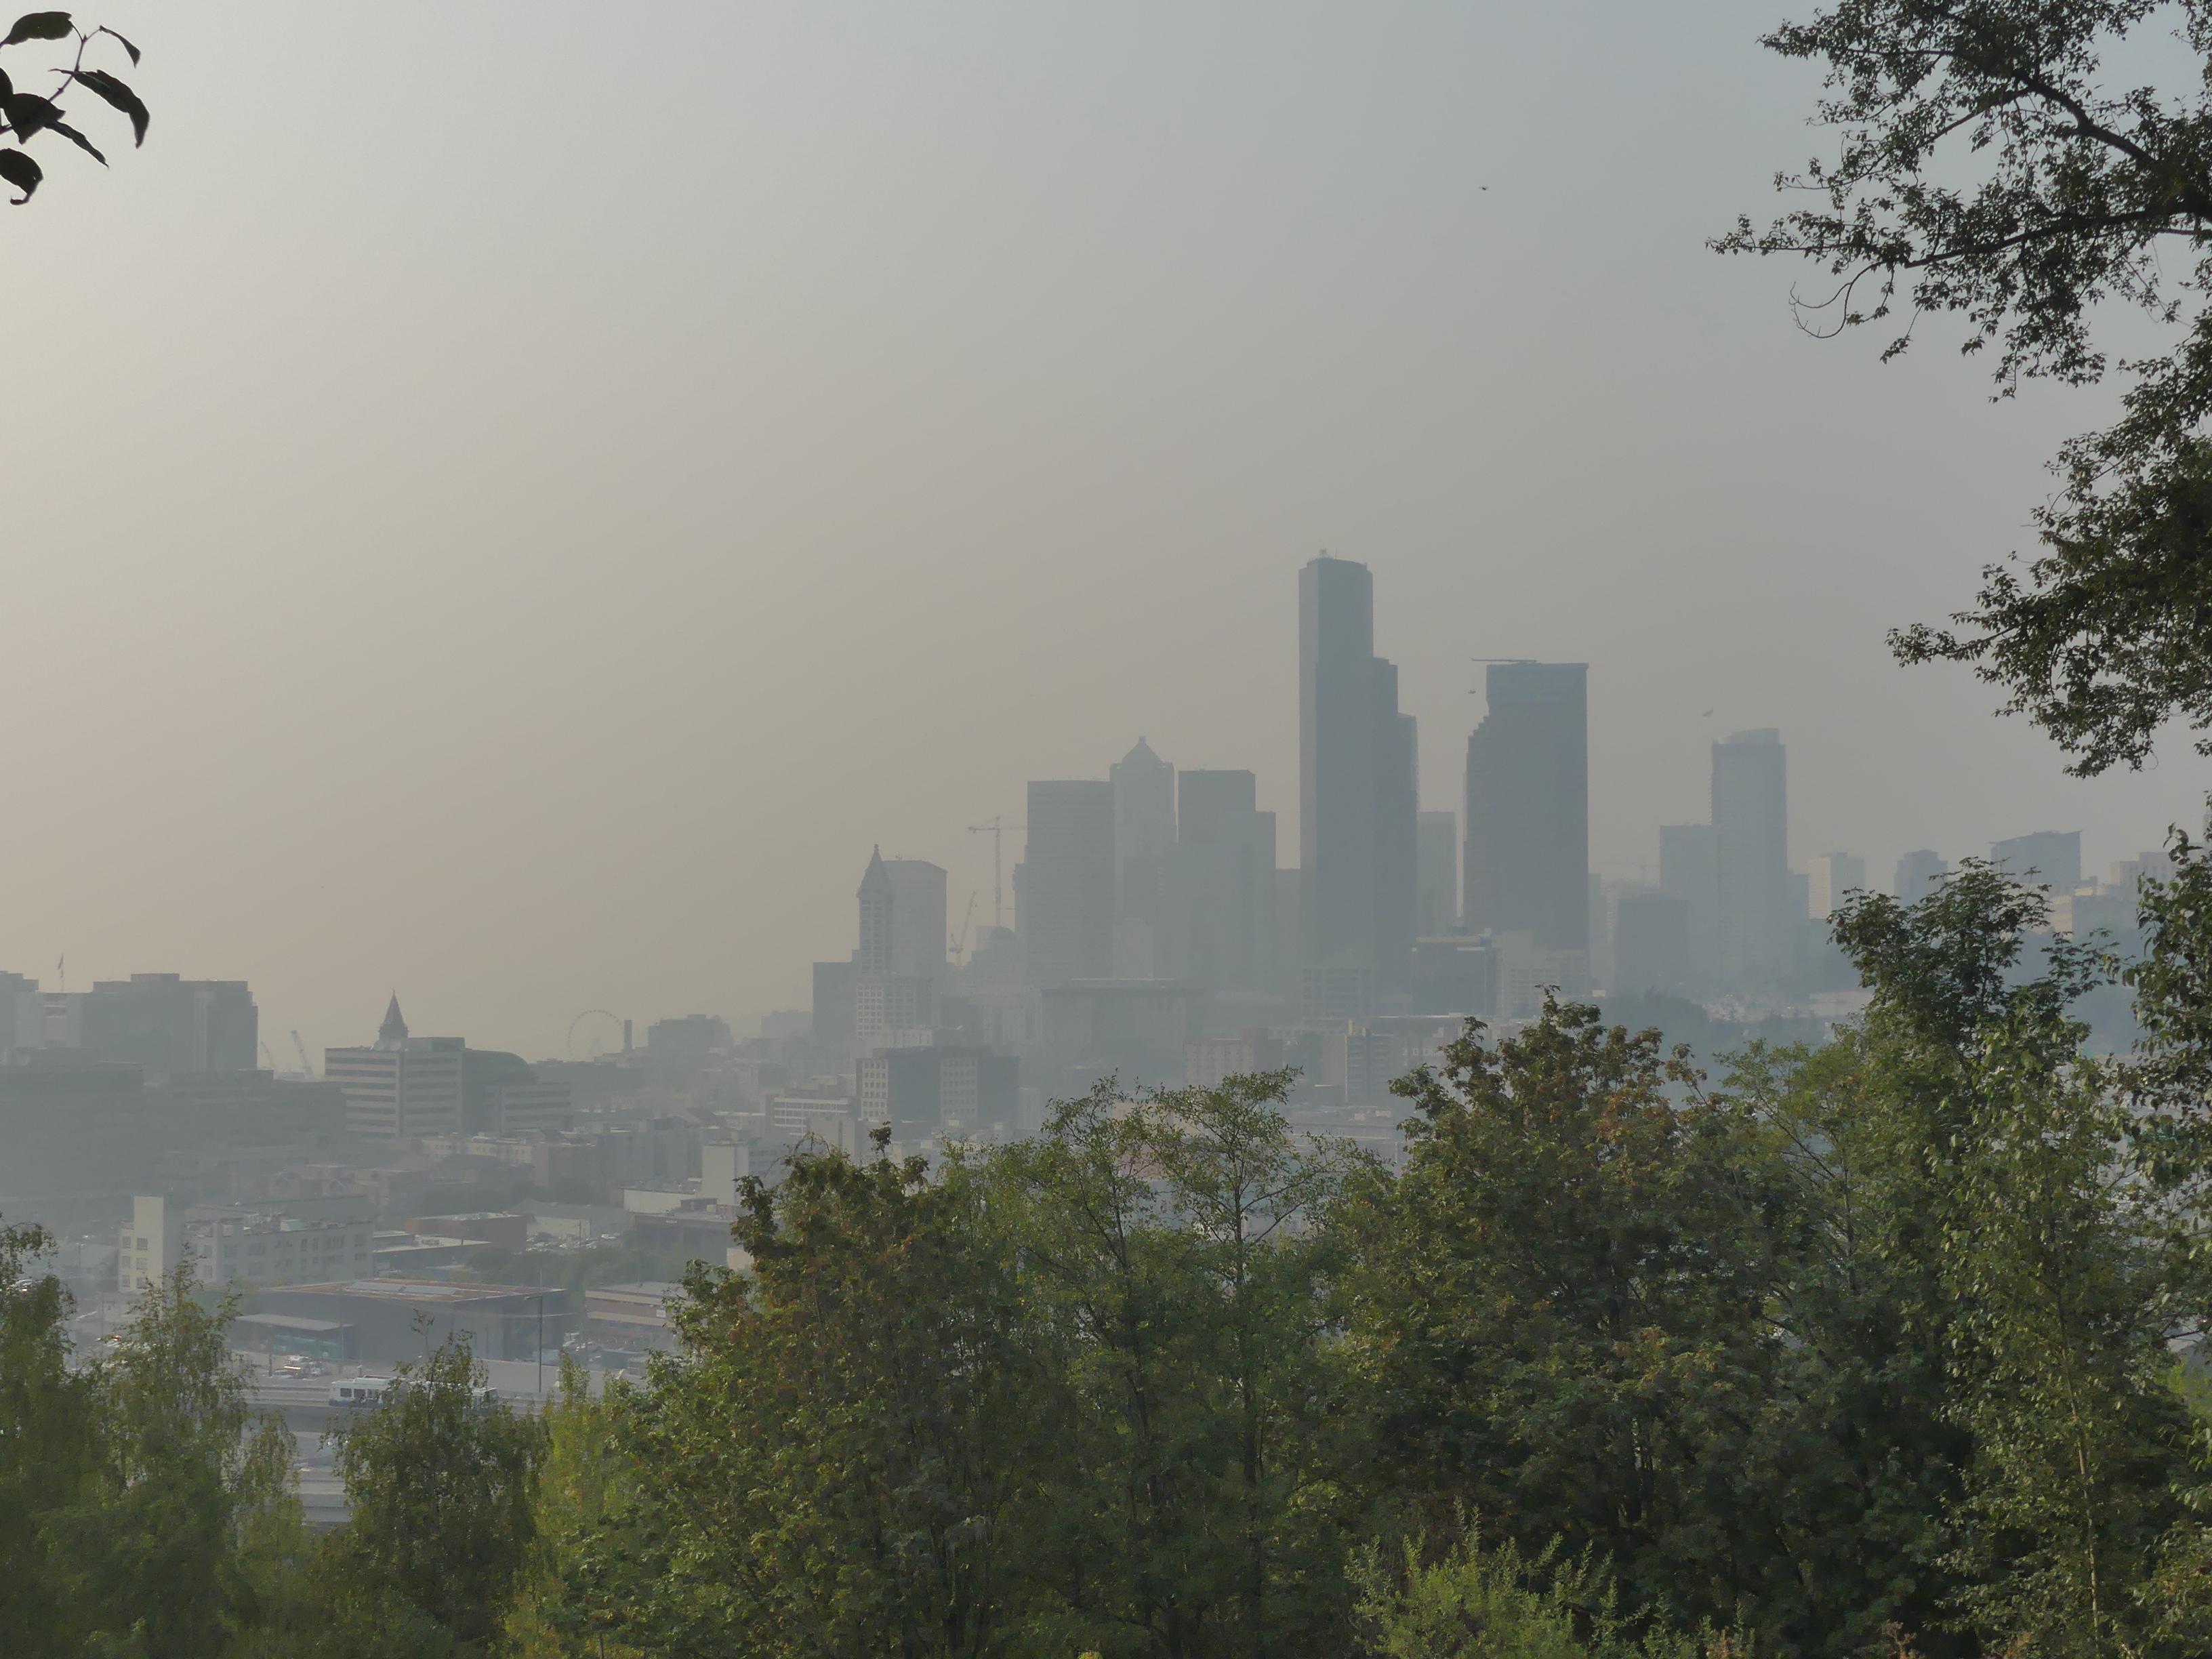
(417, 1290)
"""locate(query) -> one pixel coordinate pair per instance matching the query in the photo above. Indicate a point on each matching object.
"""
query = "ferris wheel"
(594, 1033)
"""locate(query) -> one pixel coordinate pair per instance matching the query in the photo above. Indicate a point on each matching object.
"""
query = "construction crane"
(960, 939)
(306, 1066)
(996, 830)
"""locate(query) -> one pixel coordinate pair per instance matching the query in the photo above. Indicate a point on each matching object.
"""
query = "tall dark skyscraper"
(1527, 806)
(1223, 895)
(1756, 925)
(1689, 871)
(1435, 886)
(1357, 787)
(1144, 844)
(1066, 882)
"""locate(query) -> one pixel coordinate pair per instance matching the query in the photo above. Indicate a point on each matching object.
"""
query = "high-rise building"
(1221, 913)
(402, 1086)
(941, 1092)
(2048, 857)
(1758, 931)
(893, 1010)
(170, 1024)
(835, 993)
(1689, 869)
(1144, 846)
(1527, 807)
(1650, 942)
(1065, 884)
(902, 916)
(1833, 875)
(1918, 874)
(1435, 875)
(1358, 787)
(22, 1013)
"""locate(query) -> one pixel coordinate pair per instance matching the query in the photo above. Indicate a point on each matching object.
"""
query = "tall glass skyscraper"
(1527, 806)
(1358, 785)
(1757, 930)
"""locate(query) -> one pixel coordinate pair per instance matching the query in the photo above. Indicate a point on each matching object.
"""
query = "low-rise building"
(392, 1319)
(633, 1316)
(230, 1246)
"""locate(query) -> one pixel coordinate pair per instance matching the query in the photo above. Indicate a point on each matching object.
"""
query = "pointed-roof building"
(393, 1031)
(902, 916)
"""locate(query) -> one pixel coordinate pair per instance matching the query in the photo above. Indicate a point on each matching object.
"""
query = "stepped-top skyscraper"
(1358, 785)
(1527, 807)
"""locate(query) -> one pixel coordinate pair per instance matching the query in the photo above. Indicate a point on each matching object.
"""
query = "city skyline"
(1113, 839)
(427, 677)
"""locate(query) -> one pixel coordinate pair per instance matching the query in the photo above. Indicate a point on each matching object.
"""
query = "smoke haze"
(514, 502)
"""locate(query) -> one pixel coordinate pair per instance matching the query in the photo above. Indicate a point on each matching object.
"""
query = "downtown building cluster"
(1155, 937)
(1143, 925)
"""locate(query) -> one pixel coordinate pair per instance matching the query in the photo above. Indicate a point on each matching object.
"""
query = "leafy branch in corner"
(1989, 166)
(27, 114)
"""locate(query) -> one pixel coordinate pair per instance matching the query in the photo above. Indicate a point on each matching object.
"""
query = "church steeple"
(393, 1031)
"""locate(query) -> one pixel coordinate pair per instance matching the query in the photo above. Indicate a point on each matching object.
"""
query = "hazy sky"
(511, 502)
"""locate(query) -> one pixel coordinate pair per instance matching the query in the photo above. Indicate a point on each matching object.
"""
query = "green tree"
(1472, 1603)
(177, 1548)
(439, 1481)
(827, 1471)
(1560, 1312)
(1189, 1499)
(48, 1446)
(2041, 1291)
(1991, 164)
(586, 1485)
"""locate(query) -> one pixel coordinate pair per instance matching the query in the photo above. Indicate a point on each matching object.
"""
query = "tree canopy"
(1992, 163)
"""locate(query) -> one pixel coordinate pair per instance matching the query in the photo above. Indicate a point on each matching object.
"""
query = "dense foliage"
(2025, 165)
(1882, 1347)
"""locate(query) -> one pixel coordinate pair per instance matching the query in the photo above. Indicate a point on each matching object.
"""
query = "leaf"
(27, 112)
(40, 26)
(7, 86)
(101, 84)
(127, 46)
(21, 170)
(78, 139)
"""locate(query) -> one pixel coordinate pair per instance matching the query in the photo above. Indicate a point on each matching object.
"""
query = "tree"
(586, 1483)
(439, 1480)
(1188, 1499)
(48, 1445)
(1560, 1313)
(827, 1470)
(2032, 1244)
(193, 1510)
(27, 114)
(1472, 1603)
(1990, 166)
